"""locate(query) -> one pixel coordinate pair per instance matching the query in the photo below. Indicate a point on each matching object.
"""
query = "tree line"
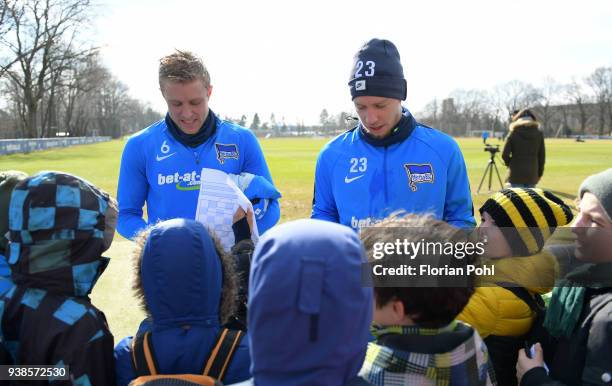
(583, 106)
(328, 124)
(53, 81)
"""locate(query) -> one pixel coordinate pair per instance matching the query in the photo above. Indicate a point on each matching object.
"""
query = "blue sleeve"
(131, 190)
(323, 202)
(458, 207)
(124, 372)
(255, 163)
(270, 218)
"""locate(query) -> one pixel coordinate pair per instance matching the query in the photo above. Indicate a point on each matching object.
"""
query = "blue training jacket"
(166, 174)
(357, 183)
(182, 281)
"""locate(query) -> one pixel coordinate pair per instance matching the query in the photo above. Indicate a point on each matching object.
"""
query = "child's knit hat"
(527, 217)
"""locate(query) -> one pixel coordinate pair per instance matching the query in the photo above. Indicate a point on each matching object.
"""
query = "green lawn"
(292, 163)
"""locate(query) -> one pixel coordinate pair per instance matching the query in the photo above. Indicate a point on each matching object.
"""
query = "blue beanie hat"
(377, 71)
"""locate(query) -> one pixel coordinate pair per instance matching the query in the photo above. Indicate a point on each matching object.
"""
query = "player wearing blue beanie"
(389, 161)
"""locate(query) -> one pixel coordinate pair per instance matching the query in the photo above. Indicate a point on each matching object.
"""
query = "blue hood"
(182, 275)
(308, 313)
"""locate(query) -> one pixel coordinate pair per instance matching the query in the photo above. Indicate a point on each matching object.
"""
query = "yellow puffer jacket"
(493, 310)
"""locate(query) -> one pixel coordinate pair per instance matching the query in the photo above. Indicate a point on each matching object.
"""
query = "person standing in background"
(524, 153)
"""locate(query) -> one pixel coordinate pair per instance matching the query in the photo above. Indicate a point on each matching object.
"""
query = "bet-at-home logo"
(186, 181)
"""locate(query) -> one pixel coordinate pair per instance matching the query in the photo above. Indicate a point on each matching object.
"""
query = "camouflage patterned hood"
(59, 226)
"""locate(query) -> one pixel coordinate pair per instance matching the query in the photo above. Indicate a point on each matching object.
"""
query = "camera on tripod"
(491, 148)
(491, 166)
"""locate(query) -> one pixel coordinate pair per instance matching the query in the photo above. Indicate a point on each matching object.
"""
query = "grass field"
(292, 162)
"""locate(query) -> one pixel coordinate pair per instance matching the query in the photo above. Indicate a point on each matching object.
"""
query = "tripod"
(489, 169)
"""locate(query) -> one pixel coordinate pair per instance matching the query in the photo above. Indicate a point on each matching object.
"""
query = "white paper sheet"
(218, 200)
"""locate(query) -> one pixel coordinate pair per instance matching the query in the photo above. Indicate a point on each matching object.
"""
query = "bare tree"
(575, 93)
(324, 119)
(110, 101)
(431, 114)
(41, 44)
(600, 82)
(53, 80)
(17, 107)
(471, 111)
(79, 85)
(5, 22)
(548, 95)
(515, 95)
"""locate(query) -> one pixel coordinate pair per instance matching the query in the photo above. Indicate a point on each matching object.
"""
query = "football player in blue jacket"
(161, 164)
(389, 162)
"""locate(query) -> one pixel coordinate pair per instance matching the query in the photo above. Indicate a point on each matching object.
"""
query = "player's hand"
(524, 363)
(239, 215)
(250, 218)
(242, 227)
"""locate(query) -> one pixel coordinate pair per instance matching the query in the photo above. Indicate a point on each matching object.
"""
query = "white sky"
(294, 58)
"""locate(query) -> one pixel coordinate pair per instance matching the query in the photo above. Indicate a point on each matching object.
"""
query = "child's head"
(59, 226)
(593, 225)
(309, 313)
(430, 307)
(182, 276)
(518, 221)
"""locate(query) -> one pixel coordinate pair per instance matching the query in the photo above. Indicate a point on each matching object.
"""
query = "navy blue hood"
(187, 285)
(181, 274)
(308, 313)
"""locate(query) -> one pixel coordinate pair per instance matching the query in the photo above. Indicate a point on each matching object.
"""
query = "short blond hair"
(183, 66)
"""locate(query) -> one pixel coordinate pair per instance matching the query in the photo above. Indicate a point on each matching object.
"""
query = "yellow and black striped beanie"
(527, 217)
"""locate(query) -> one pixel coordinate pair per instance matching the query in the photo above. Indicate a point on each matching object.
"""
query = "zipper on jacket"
(198, 153)
(385, 178)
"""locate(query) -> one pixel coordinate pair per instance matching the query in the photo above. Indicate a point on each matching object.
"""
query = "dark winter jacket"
(585, 356)
(524, 152)
(59, 227)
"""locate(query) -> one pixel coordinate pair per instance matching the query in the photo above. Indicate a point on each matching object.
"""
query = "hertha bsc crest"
(226, 152)
(419, 174)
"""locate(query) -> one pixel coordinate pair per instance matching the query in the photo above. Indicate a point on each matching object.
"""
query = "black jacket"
(584, 358)
(524, 154)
